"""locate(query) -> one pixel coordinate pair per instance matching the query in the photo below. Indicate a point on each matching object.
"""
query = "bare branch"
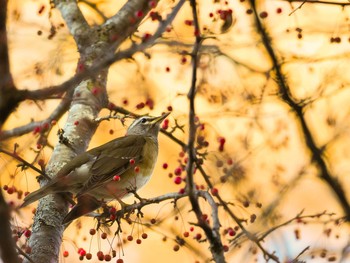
(298, 109)
(213, 235)
(55, 116)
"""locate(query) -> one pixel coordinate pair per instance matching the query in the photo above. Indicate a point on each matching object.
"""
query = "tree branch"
(8, 252)
(77, 25)
(8, 93)
(298, 109)
(213, 234)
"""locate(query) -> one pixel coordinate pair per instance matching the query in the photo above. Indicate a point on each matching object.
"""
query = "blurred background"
(263, 169)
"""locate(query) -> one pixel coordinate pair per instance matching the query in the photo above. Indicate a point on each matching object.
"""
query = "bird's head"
(146, 125)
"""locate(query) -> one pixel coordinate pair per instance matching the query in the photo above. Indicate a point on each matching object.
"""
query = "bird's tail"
(51, 188)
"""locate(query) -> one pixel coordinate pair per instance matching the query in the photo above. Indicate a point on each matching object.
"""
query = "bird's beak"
(158, 120)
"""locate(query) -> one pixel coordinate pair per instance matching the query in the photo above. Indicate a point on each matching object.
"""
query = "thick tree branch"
(77, 25)
(8, 93)
(7, 105)
(8, 252)
(298, 109)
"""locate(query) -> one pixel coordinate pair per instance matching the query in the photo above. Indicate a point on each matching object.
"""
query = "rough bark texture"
(93, 44)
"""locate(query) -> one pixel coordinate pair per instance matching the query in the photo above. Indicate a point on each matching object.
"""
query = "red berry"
(263, 14)
(198, 236)
(153, 221)
(177, 180)
(231, 232)
(176, 247)
(132, 161)
(188, 22)
(92, 231)
(178, 171)
(170, 108)
(108, 257)
(65, 253)
(137, 169)
(138, 241)
(27, 233)
(225, 248)
(165, 126)
(141, 105)
(146, 36)
(104, 235)
(186, 234)
(221, 140)
(152, 3)
(10, 190)
(112, 210)
(150, 103)
(139, 13)
(5, 187)
(129, 238)
(182, 191)
(214, 191)
(46, 126)
(279, 10)
(165, 165)
(111, 106)
(144, 235)
(116, 178)
(76, 123)
(167, 69)
(82, 253)
(88, 256)
(119, 260)
(36, 130)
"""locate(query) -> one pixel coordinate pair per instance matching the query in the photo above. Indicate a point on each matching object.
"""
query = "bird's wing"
(73, 164)
(113, 158)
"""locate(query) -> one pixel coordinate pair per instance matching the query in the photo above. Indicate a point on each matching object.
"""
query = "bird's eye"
(143, 120)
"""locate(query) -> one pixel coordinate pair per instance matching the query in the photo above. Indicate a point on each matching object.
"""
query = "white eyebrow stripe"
(136, 122)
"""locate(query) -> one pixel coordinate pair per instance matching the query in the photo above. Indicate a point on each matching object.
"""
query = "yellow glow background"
(236, 100)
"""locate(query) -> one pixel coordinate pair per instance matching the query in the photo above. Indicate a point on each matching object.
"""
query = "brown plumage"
(89, 176)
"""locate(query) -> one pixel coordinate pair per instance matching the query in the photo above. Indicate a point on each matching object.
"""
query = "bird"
(109, 171)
